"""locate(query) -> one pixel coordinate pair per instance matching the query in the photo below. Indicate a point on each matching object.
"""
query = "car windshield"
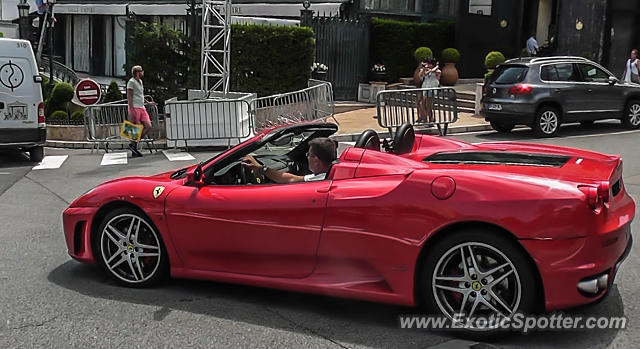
(511, 74)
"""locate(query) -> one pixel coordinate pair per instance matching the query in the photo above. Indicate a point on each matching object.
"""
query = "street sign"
(88, 92)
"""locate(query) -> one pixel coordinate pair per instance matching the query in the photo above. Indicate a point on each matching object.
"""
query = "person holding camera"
(427, 75)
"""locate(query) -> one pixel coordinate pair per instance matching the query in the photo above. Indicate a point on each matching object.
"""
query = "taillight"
(484, 90)
(603, 191)
(522, 89)
(591, 196)
(41, 119)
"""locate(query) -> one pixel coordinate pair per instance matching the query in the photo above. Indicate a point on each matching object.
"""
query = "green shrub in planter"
(113, 93)
(422, 53)
(61, 94)
(77, 115)
(450, 55)
(493, 59)
(45, 88)
(524, 52)
(58, 115)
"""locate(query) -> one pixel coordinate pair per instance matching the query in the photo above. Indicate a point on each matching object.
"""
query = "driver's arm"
(276, 176)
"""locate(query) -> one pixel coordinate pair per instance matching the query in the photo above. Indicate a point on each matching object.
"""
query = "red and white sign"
(88, 92)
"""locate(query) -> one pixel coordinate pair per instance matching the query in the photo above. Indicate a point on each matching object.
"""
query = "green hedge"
(61, 95)
(394, 42)
(271, 59)
(58, 115)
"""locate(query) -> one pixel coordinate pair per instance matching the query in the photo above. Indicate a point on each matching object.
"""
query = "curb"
(349, 137)
(352, 137)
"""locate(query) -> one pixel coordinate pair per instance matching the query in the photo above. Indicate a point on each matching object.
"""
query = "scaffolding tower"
(216, 45)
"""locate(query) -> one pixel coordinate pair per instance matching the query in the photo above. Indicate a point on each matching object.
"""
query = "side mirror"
(612, 80)
(195, 177)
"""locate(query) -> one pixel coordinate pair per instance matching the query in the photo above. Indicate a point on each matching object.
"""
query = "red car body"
(363, 233)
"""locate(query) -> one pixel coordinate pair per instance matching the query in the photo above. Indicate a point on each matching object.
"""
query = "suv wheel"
(547, 122)
(502, 127)
(631, 118)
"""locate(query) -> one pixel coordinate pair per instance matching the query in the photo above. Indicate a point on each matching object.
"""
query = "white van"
(22, 123)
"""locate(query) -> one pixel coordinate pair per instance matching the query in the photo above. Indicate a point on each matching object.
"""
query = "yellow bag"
(131, 131)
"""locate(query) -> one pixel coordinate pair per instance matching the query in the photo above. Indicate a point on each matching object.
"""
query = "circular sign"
(11, 75)
(88, 92)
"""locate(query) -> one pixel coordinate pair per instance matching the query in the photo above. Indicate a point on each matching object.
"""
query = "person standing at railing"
(135, 100)
(427, 75)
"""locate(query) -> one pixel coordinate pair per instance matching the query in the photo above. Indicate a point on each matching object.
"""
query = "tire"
(502, 127)
(134, 260)
(547, 122)
(631, 117)
(36, 154)
(517, 291)
(586, 123)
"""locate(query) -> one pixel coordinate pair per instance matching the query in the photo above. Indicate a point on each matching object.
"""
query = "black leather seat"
(369, 139)
(403, 139)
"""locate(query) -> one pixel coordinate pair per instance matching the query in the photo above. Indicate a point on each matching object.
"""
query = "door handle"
(589, 90)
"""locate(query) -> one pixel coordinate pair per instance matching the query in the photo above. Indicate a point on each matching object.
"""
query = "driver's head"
(322, 152)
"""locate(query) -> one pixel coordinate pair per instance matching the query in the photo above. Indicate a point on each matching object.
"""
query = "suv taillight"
(521, 89)
(41, 119)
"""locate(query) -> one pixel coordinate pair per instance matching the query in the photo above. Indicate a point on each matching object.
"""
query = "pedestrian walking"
(632, 68)
(427, 75)
(532, 46)
(135, 101)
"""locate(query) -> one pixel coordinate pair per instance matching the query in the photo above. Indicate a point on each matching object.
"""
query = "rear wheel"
(631, 117)
(547, 122)
(475, 274)
(36, 154)
(130, 249)
(501, 126)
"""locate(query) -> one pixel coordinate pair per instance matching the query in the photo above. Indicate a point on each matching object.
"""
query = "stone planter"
(449, 75)
(320, 75)
(379, 76)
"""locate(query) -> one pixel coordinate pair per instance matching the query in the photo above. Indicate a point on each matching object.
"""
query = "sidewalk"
(359, 120)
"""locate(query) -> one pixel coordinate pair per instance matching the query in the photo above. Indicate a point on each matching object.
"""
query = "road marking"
(51, 162)
(5, 173)
(531, 138)
(114, 159)
(177, 155)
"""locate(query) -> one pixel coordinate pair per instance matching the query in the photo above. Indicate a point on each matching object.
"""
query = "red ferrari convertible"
(474, 229)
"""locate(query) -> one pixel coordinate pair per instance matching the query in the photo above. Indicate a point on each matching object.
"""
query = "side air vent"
(498, 158)
(617, 187)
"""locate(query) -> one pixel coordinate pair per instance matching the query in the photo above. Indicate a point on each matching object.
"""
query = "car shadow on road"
(341, 320)
(13, 159)
(568, 130)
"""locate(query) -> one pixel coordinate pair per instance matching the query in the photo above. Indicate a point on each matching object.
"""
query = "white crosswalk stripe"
(51, 162)
(177, 155)
(114, 159)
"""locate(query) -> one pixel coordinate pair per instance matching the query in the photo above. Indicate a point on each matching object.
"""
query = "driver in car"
(322, 153)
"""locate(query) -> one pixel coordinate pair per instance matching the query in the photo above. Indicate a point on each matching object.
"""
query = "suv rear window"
(558, 72)
(511, 74)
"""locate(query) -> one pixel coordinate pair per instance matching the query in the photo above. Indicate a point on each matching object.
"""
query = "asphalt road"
(48, 300)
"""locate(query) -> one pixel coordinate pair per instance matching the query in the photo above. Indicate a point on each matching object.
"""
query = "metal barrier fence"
(103, 122)
(418, 106)
(208, 119)
(312, 103)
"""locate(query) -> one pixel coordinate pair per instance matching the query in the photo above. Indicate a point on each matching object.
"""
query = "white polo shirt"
(138, 92)
(315, 177)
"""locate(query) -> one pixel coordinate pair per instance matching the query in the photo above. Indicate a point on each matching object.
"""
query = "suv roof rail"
(555, 58)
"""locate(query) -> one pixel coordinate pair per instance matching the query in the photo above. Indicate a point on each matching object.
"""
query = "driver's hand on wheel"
(250, 162)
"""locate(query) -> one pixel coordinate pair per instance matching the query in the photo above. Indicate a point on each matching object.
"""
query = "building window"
(411, 6)
(480, 7)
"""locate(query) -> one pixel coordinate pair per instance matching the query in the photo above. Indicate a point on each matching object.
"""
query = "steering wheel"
(249, 176)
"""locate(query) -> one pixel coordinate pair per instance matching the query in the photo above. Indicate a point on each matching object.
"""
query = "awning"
(91, 9)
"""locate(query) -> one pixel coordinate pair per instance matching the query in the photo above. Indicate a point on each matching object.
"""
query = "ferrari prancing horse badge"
(157, 191)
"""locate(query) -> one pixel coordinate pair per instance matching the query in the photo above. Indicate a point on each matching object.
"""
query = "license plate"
(493, 106)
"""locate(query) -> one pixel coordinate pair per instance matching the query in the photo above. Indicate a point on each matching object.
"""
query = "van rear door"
(20, 93)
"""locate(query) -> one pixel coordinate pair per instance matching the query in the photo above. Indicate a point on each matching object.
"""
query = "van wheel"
(36, 154)
(631, 117)
(547, 122)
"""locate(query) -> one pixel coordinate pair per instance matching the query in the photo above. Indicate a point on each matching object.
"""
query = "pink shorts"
(139, 115)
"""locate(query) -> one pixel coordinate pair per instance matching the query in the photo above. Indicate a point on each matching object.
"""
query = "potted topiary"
(319, 71)
(422, 53)
(449, 56)
(491, 61)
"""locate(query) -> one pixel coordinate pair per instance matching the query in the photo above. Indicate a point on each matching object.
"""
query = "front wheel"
(130, 249)
(631, 118)
(547, 122)
(502, 127)
(474, 274)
